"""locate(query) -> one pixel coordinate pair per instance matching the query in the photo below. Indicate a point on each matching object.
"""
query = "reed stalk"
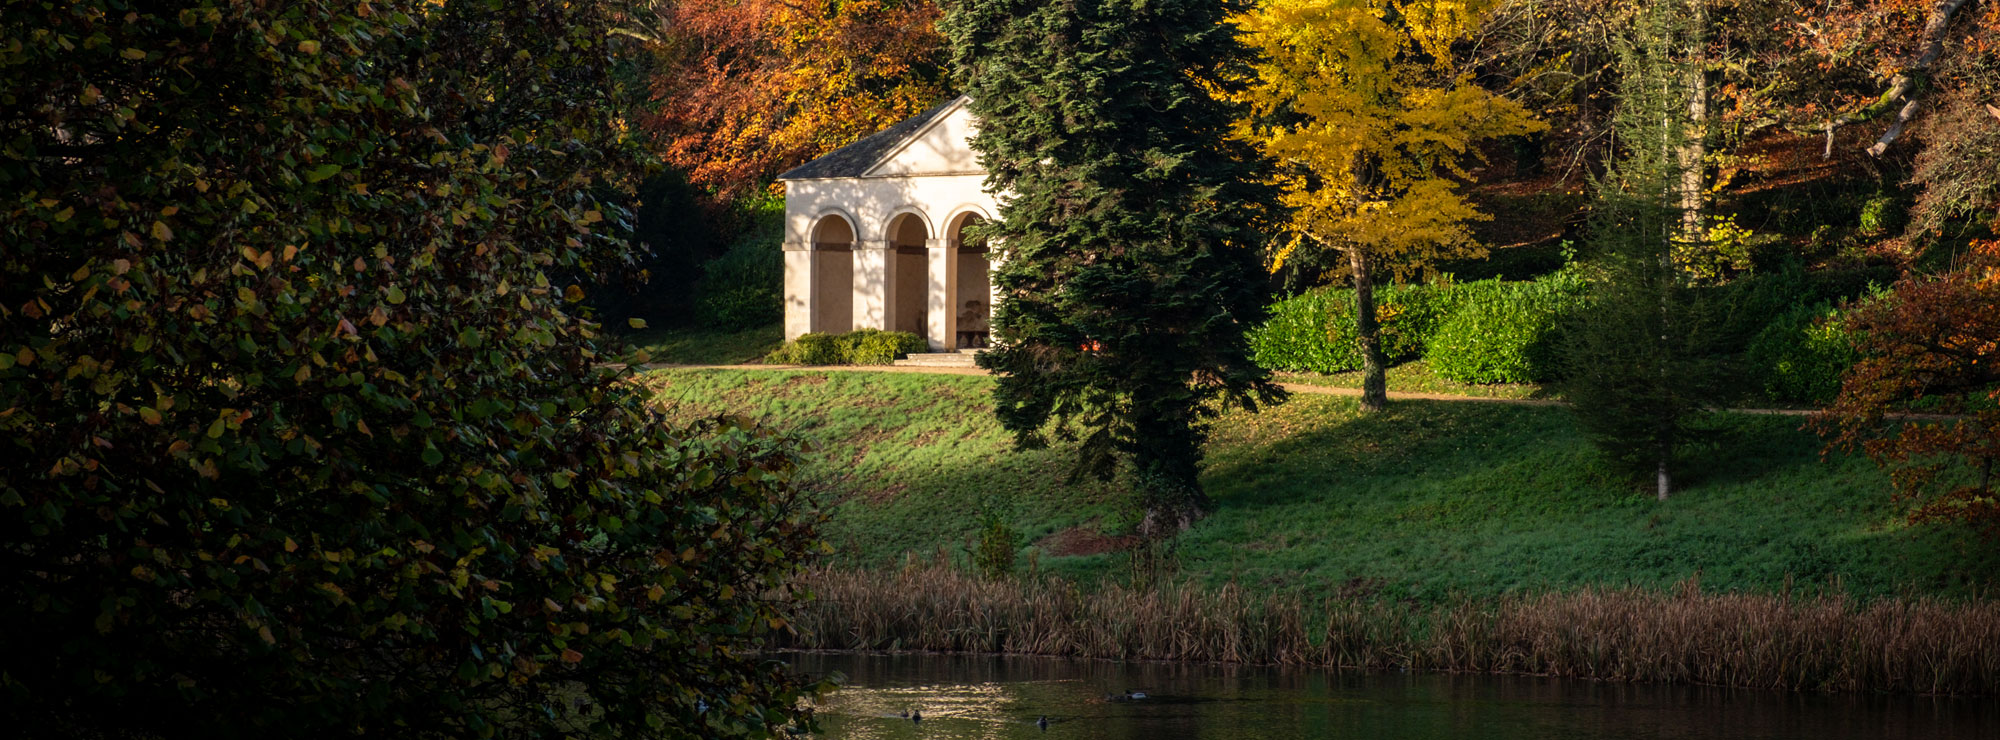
(1775, 641)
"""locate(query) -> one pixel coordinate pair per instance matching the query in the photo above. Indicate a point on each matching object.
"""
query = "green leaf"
(322, 172)
(395, 294)
(431, 454)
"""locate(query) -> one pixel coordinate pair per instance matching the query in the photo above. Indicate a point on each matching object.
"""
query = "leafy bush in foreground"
(299, 436)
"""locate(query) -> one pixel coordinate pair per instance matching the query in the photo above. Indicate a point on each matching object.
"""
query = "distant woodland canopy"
(739, 90)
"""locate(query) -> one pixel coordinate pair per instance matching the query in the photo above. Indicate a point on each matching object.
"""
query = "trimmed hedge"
(863, 347)
(1314, 331)
(1493, 331)
(1502, 332)
(1800, 357)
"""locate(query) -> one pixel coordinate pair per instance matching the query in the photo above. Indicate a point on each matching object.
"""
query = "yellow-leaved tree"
(1371, 119)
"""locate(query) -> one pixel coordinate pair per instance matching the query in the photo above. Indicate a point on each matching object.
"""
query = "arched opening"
(973, 300)
(833, 275)
(907, 237)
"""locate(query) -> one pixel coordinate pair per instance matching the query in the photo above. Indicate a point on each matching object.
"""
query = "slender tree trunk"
(1694, 144)
(1665, 480)
(1374, 370)
(1579, 67)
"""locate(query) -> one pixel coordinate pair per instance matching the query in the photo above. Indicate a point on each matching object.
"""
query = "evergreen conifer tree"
(1130, 235)
(1644, 362)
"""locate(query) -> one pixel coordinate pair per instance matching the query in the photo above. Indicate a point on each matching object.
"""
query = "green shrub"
(1881, 214)
(812, 349)
(1314, 331)
(994, 553)
(876, 347)
(863, 347)
(1502, 332)
(744, 288)
(1800, 357)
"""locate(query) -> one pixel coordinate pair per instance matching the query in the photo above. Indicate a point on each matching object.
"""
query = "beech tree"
(1129, 236)
(299, 431)
(1370, 120)
(1924, 402)
(744, 89)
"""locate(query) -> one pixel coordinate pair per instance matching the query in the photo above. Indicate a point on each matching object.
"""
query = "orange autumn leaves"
(749, 88)
(1924, 403)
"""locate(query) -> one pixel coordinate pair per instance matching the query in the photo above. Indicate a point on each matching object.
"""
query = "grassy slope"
(1428, 500)
(699, 347)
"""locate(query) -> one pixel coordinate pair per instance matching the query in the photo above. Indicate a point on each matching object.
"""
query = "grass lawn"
(1428, 500)
(1416, 377)
(699, 347)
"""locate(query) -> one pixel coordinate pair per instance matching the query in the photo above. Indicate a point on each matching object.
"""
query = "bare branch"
(1904, 86)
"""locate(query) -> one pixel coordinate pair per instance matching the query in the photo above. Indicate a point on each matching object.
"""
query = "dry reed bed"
(1763, 641)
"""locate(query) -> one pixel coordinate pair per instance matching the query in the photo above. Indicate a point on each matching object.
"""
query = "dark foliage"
(1130, 244)
(302, 436)
(1648, 358)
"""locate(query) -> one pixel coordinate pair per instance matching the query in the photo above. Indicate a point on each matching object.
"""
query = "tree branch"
(1904, 86)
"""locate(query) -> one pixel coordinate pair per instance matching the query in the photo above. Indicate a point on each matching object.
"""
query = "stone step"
(960, 358)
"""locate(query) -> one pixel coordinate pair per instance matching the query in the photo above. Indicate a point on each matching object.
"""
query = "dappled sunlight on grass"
(1416, 377)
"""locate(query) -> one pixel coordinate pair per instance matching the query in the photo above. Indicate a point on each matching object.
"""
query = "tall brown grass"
(1816, 642)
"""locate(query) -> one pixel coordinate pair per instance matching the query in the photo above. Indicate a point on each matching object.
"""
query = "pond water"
(991, 697)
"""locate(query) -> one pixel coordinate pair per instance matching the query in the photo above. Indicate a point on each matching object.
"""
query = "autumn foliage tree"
(1924, 402)
(1371, 119)
(743, 89)
(300, 433)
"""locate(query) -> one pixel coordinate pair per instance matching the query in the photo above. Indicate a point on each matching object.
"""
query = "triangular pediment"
(941, 148)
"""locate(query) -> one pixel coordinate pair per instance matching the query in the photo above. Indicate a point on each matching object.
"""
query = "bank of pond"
(990, 697)
(1819, 642)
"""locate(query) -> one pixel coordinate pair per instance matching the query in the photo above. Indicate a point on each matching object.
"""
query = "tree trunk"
(1374, 371)
(1172, 504)
(1693, 151)
(1579, 68)
(1166, 466)
(1666, 482)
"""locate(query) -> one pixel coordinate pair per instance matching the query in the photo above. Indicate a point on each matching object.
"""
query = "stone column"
(992, 289)
(801, 271)
(874, 283)
(942, 259)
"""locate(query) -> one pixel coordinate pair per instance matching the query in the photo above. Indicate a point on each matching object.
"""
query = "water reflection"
(990, 698)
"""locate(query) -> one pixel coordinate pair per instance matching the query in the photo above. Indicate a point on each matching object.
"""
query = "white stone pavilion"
(874, 235)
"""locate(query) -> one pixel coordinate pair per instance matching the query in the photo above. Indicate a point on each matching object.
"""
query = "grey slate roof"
(855, 159)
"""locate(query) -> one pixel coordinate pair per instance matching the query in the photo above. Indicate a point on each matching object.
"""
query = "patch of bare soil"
(1084, 541)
